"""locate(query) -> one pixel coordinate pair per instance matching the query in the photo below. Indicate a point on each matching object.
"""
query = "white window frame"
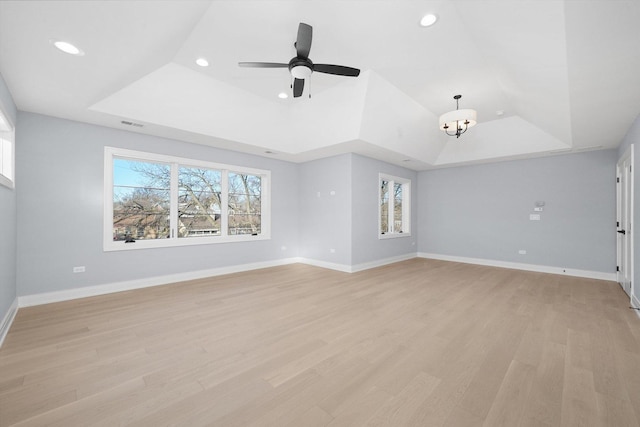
(7, 150)
(265, 198)
(406, 207)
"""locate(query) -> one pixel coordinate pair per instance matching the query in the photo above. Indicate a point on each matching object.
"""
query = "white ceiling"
(565, 74)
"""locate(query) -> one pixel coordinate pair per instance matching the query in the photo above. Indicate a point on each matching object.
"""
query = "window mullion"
(174, 193)
(224, 203)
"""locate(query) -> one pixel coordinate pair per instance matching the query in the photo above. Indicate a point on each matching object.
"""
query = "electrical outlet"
(534, 217)
(333, 251)
(79, 269)
(522, 252)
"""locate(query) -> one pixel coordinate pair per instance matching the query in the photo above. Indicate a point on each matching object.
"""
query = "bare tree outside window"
(140, 206)
(161, 200)
(244, 204)
(397, 207)
(384, 207)
(394, 206)
(142, 201)
(199, 205)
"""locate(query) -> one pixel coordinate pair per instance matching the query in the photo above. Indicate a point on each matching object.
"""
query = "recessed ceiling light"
(202, 62)
(283, 95)
(67, 47)
(428, 20)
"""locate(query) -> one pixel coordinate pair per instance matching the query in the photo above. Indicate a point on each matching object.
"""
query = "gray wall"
(633, 137)
(325, 219)
(366, 246)
(7, 222)
(347, 221)
(483, 211)
(59, 197)
(474, 211)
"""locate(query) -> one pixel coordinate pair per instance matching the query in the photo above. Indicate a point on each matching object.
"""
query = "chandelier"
(457, 121)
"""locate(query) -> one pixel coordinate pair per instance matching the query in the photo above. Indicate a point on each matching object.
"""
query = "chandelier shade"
(458, 116)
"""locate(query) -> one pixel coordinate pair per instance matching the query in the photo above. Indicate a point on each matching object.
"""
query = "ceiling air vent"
(128, 123)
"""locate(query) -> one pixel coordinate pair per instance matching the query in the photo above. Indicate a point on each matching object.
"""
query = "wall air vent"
(128, 123)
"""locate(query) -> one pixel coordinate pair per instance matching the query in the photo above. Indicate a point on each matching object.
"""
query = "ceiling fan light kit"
(301, 66)
(300, 71)
(458, 121)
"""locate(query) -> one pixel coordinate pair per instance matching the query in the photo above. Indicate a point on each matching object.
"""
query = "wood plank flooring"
(417, 343)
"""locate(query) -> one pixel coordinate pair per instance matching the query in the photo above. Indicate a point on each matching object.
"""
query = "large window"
(394, 205)
(153, 200)
(7, 139)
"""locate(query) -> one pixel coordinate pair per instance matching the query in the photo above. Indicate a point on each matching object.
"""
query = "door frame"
(624, 189)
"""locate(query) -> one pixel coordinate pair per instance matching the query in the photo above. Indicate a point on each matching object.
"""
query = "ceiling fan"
(301, 66)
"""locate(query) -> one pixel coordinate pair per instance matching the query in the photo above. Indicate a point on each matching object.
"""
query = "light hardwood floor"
(417, 343)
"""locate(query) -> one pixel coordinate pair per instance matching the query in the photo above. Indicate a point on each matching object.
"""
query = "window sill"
(189, 241)
(393, 235)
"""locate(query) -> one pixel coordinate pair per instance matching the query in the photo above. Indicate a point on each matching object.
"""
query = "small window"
(153, 200)
(394, 206)
(7, 140)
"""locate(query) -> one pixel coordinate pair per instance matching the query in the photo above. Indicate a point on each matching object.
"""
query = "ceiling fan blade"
(298, 86)
(263, 65)
(303, 42)
(339, 70)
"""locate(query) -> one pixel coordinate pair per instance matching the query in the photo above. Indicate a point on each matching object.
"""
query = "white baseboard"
(635, 302)
(357, 267)
(8, 320)
(599, 275)
(89, 291)
(324, 264)
(379, 263)
(70, 294)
